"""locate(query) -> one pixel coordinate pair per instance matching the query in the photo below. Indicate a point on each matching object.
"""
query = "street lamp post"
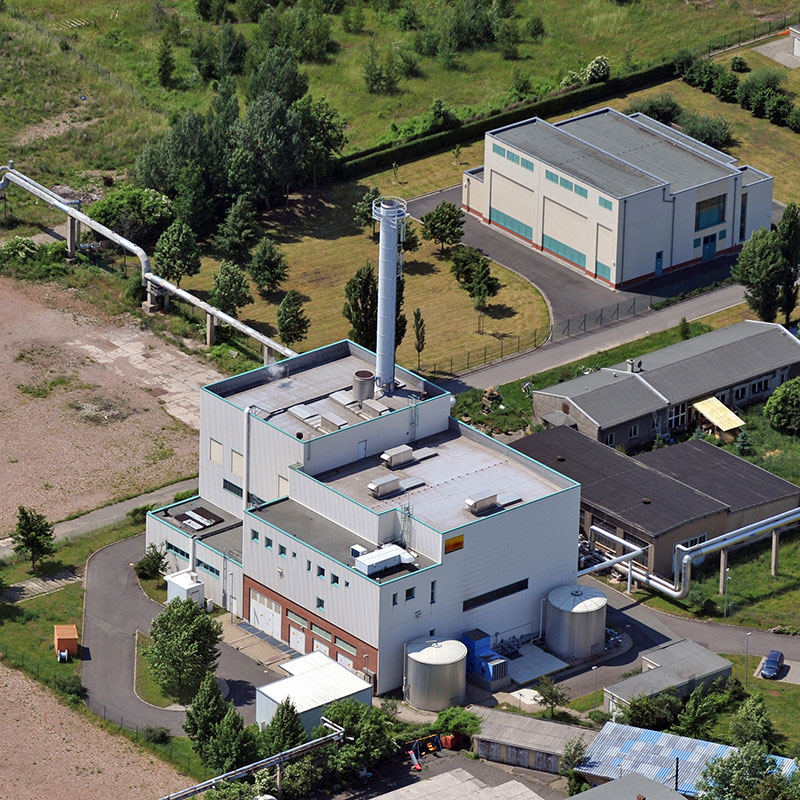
(594, 696)
(746, 657)
(725, 602)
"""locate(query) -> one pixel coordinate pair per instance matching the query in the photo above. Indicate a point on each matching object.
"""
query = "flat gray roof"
(750, 175)
(579, 159)
(458, 784)
(519, 730)
(649, 149)
(326, 536)
(316, 383)
(629, 787)
(465, 464)
(684, 139)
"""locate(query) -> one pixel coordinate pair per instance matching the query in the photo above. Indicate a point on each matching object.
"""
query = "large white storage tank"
(436, 674)
(576, 622)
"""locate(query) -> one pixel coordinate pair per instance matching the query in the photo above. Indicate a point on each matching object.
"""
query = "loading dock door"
(565, 233)
(265, 614)
(297, 639)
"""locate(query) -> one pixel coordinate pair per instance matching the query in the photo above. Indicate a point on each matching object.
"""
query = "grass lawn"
(72, 553)
(154, 588)
(560, 715)
(781, 700)
(587, 702)
(146, 686)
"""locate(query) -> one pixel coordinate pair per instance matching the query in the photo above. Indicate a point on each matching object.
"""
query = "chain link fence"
(760, 30)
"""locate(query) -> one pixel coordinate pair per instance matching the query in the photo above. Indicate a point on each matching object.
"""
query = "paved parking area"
(789, 674)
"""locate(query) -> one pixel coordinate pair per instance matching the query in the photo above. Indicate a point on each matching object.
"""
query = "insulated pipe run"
(744, 534)
(246, 461)
(635, 553)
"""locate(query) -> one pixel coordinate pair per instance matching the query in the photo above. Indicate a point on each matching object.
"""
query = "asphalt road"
(115, 608)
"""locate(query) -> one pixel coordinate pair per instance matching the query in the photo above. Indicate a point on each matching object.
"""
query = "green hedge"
(375, 158)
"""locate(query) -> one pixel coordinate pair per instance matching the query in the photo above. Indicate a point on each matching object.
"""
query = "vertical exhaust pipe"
(391, 213)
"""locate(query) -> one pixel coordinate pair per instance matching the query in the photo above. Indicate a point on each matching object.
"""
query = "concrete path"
(579, 347)
(115, 607)
(33, 587)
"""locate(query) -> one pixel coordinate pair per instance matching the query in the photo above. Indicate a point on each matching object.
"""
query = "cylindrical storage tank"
(363, 385)
(436, 674)
(575, 625)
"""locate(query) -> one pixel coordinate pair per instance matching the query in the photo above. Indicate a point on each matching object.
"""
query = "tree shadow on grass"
(262, 327)
(51, 567)
(417, 267)
(500, 311)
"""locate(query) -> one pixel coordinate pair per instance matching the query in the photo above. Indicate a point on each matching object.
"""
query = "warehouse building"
(340, 518)
(684, 494)
(694, 382)
(622, 198)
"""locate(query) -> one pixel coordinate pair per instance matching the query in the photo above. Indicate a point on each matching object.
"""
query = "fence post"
(484, 355)
(451, 365)
(467, 359)
(518, 344)
(104, 711)
(534, 336)
(501, 348)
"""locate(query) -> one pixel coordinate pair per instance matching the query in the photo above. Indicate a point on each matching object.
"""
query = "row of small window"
(512, 157)
(317, 630)
(283, 553)
(581, 191)
(723, 234)
(411, 593)
(171, 548)
(252, 499)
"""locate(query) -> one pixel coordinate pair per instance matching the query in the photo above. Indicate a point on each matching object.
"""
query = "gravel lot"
(52, 751)
(76, 433)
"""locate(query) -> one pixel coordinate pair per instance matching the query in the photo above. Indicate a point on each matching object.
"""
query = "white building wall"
(759, 207)
(646, 229)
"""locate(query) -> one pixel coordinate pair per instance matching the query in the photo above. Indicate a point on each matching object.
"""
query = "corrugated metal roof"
(648, 149)
(628, 787)
(622, 749)
(518, 730)
(458, 784)
(718, 415)
(579, 159)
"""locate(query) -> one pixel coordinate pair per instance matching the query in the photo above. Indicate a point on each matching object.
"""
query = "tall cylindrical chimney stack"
(391, 213)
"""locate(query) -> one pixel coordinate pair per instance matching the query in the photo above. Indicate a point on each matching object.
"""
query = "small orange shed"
(65, 637)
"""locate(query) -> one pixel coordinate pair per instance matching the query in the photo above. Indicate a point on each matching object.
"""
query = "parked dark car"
(773, 665)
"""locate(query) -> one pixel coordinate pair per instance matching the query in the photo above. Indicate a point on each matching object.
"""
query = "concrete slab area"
(780, 50)
(789, 674)
(532, 664)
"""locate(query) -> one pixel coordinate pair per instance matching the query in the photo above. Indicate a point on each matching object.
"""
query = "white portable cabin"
(185, 584)
(315, 680)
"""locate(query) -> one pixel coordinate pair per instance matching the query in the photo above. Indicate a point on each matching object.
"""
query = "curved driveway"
(115, 607)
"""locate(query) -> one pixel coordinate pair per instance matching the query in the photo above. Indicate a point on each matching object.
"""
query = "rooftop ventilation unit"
(302, 412)
(383, 487)
(480, 502)
(331, 422)
(395, 457)
(357, 550)
(385, 558)
(374, 408)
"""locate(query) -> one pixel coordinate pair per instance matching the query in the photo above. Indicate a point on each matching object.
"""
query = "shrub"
(457, 720)
(152, 564)
(156, 734)
(782, 410)
(138, 515)
(759, 100)
(778, 108)
(185, 495)
(793, 120)
(534, 28)
(762, 78)
(599, 717)
(662, 107)
(408, 18)
(685, 60)
(571, 79)
(738, 64)
(726, 86)
(69, 684)
(597, 70)
(713, 131)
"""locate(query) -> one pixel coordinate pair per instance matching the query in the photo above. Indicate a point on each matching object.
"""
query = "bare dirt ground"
(58, 753)
(53, 126)
(84, 405)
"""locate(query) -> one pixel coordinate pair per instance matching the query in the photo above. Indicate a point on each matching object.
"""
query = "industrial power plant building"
(623, 198)
(342, 517)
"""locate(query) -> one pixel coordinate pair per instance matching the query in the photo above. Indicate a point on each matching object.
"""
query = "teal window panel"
(564, 250)
(697, 242)
(606, 203)
(527, 164)
(512, 157)
(510, 223)
(709, 212)
(722, 235)
(500, 151)
(581, 191)
(602, 270)
(551, 176)
(567, 184)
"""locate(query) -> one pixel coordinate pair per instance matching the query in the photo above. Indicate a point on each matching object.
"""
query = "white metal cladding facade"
(616, 220)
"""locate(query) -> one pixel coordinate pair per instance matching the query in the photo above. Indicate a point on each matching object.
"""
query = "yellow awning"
(718, 414)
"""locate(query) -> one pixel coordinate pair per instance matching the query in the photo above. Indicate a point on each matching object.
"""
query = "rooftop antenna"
(391, 213)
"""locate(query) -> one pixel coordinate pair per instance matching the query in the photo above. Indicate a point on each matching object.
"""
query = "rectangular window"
(495, 594)
(308, 566)
(453, 544)
(215, 451)
(566, 183)
(604, 203)
(697, 242)
(320, 604)
(321, 632)
(709, 212)
(512, 157)
(500, 151)
(743, 218)
(346, 646)
(253, 535)
(739, 393)
(579, 190)
(551, 176)
(722, 235)
(394, 599)
(207, 568)
(282, 550)
(411, 593)
(526, 164)
(334, 579)
(296, 618)
(761, 385)
(268, 542)
(676, 417)
(433, 592)
(633, 430)
(232, 488)
(610, 438)
(237, 463)
(171, 548)
(321, 572)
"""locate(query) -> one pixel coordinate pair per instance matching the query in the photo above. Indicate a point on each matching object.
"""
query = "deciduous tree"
(207, 710)
(760, 268)
(278, 73)
(238, 232)
(783, 407)
(232, 745)
(444, 225)
(293, 324)
(362, 210)
(33, 535)
(419, 334)
(231, 290)
(551, 693)
(184, 649)
(699, 714)
(268, 267)
(657, 713)
(789, 237)
(751, 723)
(177, 254)
(284, 731)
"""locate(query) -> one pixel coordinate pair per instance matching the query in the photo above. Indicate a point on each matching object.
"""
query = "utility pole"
(747, 657)
(594, 698)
